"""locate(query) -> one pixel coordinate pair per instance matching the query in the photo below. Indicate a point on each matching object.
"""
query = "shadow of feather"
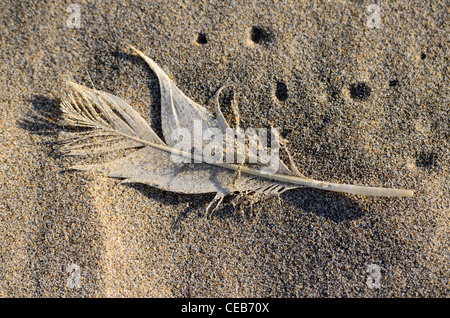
(43, 120)
(337, 207)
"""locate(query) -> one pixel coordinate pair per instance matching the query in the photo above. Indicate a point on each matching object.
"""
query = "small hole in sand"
(360, 91)
(423, 56)
(281, 91)
(426, 160)
(260, 35)
(201, 39)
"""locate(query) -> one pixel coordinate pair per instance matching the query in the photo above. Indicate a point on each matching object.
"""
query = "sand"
(357, 104)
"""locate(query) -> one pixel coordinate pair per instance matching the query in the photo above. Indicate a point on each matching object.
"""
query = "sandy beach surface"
(359, 91)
